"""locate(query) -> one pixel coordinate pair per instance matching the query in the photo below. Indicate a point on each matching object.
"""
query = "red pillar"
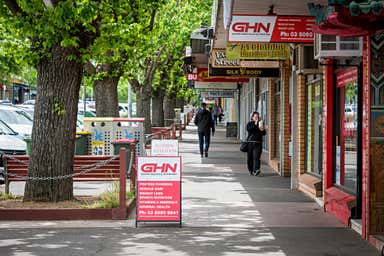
(123, 185)
(328, 125)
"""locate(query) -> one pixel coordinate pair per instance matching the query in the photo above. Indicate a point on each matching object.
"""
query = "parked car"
(17, 119)
(10, 144)
(5, 102)
(123, 109)
(29, 103)
(350, 111)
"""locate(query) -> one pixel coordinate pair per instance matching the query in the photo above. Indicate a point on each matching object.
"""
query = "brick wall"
(301, 119)
(286, 133)
(272, 124)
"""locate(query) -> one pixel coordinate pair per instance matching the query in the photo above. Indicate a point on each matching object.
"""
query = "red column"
(328, 125)
(122, 194)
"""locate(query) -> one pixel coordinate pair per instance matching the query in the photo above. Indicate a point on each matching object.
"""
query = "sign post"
(159, 189)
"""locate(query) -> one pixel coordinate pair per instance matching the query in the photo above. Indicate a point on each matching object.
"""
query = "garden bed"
(81, 208)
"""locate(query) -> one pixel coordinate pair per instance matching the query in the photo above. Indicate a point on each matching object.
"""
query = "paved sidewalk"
(226, 212)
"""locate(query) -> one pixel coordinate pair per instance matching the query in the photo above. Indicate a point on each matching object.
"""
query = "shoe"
(256, 173)
(206, 153)
(201, 155)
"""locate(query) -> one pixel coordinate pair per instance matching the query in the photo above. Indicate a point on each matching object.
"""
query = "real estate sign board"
(158, 189)
(271, 28)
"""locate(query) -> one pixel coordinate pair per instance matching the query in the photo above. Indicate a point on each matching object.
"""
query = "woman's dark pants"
(254, 154)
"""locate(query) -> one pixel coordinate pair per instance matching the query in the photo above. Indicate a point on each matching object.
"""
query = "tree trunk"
(107, 102)
(158, 110)
(54, 127)
(180, 102)
(169, 108)
(143, 107)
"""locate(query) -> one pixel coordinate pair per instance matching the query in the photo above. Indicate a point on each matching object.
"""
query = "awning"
(339, 21)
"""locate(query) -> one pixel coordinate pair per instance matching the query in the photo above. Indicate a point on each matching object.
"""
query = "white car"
(10, 144)
(29, 103)
(17, 119)
(123, 109)
(350, 111)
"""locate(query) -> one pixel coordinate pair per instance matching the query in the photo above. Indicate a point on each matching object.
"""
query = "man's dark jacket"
(204, 121)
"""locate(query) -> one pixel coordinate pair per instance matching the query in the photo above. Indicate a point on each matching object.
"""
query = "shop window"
(263, 110)
(345, 173)
(314, 134)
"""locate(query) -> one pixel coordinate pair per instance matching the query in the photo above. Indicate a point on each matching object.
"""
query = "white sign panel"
(165, 148)
(215, 85)
(158, 168)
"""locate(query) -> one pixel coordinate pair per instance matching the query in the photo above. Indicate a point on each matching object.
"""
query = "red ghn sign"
(271, 28)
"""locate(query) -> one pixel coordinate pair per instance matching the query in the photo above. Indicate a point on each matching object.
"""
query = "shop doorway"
(348, 132)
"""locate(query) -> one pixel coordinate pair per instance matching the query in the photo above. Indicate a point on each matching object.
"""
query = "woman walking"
(256, 131)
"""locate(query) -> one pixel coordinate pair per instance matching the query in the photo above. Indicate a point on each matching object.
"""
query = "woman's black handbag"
(244, 146)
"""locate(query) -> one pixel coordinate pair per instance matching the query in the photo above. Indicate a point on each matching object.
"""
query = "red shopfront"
(343, 138)
(369, 161)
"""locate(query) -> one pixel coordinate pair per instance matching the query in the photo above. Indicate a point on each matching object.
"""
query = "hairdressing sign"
(257, 51)
(271, 29)
(158, 189)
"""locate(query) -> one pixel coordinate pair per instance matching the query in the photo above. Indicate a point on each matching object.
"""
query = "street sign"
(158, 189)
(271, 28)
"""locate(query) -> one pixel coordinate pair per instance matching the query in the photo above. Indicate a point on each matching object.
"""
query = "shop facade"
(354, 110)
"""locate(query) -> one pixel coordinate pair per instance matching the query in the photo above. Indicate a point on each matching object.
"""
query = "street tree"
(114, 48)
(57, 36)
(162, 49)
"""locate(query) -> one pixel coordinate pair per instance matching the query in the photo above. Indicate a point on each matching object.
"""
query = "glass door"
(348, 130)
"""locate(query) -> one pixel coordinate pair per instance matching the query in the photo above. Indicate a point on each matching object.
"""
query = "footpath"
(225, 212)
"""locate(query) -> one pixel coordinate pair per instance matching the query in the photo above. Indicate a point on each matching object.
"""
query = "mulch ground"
(17, 203)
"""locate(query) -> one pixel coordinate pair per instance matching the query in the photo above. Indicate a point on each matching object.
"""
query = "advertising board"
(271, 28)
(202, 75)
(257, 51)
(245, 72)
(158, 189)
(219, 60)
(217, 94)
(216, 85)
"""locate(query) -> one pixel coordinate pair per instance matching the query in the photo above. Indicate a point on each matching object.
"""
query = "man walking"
(204, 123)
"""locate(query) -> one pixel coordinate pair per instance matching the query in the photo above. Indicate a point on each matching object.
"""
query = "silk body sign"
(158, 189)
